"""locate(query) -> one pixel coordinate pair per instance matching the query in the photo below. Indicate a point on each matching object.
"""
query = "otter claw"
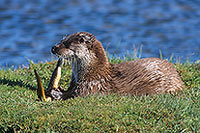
(60, 88)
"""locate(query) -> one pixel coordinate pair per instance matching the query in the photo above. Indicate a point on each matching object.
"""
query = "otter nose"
(53, 49)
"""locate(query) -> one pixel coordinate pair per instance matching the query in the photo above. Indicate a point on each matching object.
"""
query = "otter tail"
(40, 89)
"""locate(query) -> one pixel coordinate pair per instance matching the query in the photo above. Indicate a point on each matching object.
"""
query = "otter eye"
(81, 40)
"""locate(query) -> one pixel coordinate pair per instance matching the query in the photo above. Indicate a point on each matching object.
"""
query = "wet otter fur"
(93, 74)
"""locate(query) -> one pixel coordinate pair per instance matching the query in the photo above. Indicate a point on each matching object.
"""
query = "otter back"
(147, 76)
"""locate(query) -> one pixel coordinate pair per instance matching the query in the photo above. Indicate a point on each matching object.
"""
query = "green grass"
(21, 111)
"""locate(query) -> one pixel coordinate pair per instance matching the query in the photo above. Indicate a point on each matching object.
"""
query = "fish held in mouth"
(54, 91)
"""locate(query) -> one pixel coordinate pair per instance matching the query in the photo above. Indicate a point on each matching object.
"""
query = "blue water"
(29, 28)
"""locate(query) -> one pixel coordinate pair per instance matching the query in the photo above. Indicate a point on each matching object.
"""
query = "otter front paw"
(56, 94)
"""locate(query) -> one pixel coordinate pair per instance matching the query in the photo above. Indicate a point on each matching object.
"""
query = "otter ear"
(86, 37)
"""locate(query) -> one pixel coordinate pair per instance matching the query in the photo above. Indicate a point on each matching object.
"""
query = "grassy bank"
(20, 110)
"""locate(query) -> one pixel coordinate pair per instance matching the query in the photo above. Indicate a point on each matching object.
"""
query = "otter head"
(83, 49)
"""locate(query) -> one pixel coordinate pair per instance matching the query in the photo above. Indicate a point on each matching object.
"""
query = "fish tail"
(40, 89)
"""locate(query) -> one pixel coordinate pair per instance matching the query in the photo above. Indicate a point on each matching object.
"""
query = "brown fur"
(94, 74)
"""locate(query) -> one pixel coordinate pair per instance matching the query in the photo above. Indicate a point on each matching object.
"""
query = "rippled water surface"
(29, 28)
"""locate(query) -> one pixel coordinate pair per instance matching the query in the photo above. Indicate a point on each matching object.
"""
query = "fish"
(53, 83)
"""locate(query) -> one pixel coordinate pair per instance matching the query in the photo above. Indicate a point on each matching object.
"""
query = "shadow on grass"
(16, 83)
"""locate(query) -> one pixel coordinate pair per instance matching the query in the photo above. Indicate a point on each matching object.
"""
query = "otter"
(93, 74)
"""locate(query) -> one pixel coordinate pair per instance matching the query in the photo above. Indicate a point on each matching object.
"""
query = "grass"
(21, 111)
